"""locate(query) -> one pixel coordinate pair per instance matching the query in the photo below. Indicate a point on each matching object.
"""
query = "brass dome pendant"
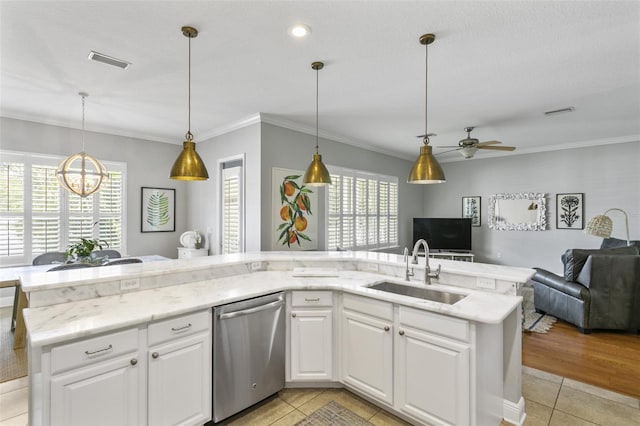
(317, 173)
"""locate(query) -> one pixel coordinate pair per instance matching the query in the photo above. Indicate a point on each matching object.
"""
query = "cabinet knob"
(401, 332)
(293, 314)
(386, 328)
(155, 355)
(133, 361)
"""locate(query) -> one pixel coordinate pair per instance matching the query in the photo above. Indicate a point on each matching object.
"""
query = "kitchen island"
(128, 303)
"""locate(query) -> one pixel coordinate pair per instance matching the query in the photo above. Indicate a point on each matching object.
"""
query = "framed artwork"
(158, 210)
(471, 209)
(294, 224)
(570, 211)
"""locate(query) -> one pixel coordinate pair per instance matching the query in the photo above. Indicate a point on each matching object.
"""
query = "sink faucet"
(427, 270)
(407, 274)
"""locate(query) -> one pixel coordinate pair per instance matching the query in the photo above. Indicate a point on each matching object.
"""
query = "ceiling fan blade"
(498, 148)
(488, 143)
(444, 152)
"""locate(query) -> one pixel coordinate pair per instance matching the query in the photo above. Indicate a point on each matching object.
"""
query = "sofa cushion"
(574, 259)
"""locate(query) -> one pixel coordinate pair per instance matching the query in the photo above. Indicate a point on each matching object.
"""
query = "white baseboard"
(514, 413)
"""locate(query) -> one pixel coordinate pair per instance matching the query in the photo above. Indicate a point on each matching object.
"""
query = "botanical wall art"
(294, 221)
(158, 210)
(570, 211)
(471, 209)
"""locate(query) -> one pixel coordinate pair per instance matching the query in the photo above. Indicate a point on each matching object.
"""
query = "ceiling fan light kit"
(317, 173)
(469, 146)
(81, 173)
(426, 169)
(189, 165)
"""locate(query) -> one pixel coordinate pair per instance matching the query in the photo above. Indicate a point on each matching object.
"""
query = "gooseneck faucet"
(407, 274)
(427, 270)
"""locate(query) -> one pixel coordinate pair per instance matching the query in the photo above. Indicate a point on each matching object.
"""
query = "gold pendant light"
(316, 174)
(189, 165)
(426, 169)
(81, 173)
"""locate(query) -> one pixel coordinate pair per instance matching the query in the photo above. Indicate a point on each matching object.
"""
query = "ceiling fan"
(469, 145)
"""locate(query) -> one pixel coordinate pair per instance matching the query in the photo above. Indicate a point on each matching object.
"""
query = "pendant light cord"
(317, 84)
(426, 91)
(189, 135)
(83, 97)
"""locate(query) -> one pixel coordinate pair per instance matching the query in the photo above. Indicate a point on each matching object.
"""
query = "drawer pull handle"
(99, 350)
(293, 314)
(133, 361)
(386, 328)
(401, 332)
(181, 328)
(155, 355)
(315, 299)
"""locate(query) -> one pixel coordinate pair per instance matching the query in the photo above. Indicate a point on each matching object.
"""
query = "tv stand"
(452, 255)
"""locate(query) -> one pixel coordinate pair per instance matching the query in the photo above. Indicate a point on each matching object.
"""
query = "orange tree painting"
(295, 207)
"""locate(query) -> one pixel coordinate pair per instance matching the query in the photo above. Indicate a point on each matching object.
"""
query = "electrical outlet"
(130, 284)
(256, 266)
(373, 267)
(488, 283)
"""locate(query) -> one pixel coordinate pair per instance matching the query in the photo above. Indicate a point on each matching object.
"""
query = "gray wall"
(609, 176)
(148, 164)
(204, 206)
(293, 150)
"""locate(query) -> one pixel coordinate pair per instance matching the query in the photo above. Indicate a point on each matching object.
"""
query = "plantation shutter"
(12, 224)
(111, 210)
(231, 208)
(46, 229)
(361, 210)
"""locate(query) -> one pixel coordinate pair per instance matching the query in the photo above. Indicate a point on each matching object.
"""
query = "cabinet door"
(311, 345)
(367, 355)
(180, 381)
(432, 378)
(105, 393)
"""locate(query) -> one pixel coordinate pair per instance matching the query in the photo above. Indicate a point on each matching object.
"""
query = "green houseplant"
(82, 250)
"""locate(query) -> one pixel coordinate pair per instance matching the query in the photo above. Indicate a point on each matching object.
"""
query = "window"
(231, 206)
(37, 215)
(362, 210)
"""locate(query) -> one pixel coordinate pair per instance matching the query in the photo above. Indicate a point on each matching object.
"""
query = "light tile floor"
(550, 401)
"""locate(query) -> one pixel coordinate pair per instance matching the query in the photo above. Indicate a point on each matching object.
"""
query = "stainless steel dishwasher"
(248, 353)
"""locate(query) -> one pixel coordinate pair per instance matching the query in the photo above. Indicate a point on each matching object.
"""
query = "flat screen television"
(443, 234)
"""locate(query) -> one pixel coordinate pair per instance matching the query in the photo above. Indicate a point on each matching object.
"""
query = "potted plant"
(82, 250)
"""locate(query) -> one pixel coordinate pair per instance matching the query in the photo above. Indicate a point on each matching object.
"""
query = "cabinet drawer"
(311, 298)
(368, 306)
(455, 328)
(183, 325)
(97, 349)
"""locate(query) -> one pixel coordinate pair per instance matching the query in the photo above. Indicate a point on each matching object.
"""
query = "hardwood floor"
(609, 360)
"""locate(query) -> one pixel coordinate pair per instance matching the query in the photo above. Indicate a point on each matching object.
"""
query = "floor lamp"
(601, 225)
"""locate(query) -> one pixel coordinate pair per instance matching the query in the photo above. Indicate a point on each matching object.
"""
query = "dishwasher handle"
(271, 305)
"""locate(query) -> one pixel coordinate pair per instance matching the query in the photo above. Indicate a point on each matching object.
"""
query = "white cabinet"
(188, 253)
(99, 380)
(367, 346)
(311, 336)
(123, 378)
(433, 371)
(179, 360)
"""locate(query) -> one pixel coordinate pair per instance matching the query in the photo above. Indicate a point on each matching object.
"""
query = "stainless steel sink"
(420, 293)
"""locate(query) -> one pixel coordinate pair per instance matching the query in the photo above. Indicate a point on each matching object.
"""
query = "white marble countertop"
(57, 323)
(35, 280)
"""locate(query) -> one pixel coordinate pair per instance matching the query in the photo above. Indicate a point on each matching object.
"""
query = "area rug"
(333, 414)
(13, 364)
(533, 321)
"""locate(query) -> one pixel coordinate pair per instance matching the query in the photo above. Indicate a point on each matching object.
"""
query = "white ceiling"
(497, 65)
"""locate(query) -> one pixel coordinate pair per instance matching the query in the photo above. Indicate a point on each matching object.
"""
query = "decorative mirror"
(518, 212)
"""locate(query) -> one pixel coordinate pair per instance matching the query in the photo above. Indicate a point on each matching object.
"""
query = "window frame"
(236, 162)
(29, 160)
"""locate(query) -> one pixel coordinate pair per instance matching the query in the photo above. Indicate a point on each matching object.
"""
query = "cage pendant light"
(426, 169)
(316, 174)
(81, 173)
(189, 165)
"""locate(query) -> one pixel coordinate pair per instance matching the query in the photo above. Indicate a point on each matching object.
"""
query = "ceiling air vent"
(100, 57)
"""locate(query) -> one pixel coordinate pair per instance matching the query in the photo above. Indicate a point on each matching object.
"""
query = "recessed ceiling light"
(109, 60)
(560, 111)
(300, 30)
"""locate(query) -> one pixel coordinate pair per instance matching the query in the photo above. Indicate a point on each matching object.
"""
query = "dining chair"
(50, 257)
(109, 254)
(123, 261)
(70, 266)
